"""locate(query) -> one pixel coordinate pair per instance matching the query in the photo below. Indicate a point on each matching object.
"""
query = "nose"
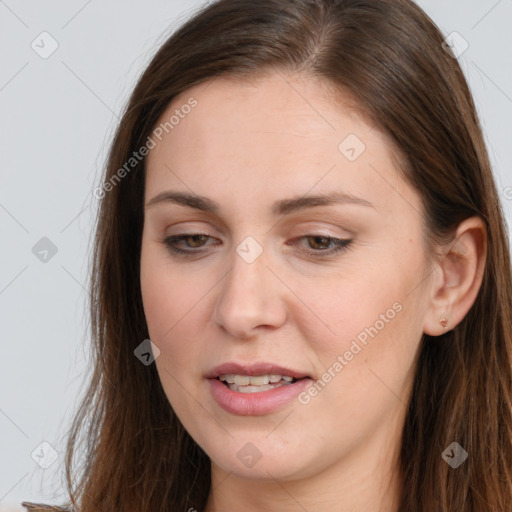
(250, 299)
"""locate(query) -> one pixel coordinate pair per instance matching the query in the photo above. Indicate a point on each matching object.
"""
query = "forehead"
(272, 135)
(271, 108)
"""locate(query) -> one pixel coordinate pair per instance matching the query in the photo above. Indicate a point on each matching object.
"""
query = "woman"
(301, 279)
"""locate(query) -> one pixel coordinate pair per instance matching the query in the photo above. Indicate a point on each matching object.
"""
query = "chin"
(261, 459)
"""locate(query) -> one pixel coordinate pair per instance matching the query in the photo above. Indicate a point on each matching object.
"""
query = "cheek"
(350, 308)
(170, 301)
(172, 326)
(365, 370)
(174, 304)
(367, 332)
(168, 294)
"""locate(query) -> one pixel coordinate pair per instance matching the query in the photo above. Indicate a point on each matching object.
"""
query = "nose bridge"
(248, 297)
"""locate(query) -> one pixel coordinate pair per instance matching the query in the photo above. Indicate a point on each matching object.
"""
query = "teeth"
(254, 380)
(257, 389)
(241, 380)
(261, 380)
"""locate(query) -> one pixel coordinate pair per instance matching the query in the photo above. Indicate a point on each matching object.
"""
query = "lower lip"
(253, 404)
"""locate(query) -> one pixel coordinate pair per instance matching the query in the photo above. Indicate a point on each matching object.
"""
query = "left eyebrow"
(281, 207)
(286, 206)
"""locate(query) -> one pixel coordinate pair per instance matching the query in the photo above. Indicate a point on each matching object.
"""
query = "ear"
(457, 277)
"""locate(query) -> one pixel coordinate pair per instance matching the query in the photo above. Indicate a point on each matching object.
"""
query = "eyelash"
(340, 245)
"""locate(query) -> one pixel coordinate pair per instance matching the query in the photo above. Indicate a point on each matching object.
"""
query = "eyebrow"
(281, 207)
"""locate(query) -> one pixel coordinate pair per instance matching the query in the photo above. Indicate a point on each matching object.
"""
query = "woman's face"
(302, 259)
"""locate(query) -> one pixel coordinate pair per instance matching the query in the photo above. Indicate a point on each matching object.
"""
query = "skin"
(246, 145)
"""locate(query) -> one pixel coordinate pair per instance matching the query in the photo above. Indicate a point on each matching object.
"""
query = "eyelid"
(318, 228)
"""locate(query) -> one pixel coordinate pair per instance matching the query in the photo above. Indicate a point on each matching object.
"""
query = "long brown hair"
(127, 449)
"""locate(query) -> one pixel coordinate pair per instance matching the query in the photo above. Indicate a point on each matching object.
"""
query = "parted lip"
(262, 368)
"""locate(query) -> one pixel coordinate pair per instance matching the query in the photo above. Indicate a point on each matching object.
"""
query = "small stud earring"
(444, 321)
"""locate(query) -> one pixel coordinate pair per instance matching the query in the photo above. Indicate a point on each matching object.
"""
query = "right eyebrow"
(185, 199)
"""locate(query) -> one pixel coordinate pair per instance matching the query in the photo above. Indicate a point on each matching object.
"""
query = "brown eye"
(320, 246)
(187, 243)
(319, 242)
(195, 241)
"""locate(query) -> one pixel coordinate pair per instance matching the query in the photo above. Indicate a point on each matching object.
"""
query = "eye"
(319, 245)
(192, 241)
(323, 245)
(319, 242)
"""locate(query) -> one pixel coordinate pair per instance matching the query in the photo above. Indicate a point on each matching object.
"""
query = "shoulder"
(41, 507)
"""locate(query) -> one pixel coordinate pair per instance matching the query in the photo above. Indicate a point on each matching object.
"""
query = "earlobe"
(460, 272)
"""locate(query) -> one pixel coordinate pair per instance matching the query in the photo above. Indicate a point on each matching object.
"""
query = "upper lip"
(262, 368)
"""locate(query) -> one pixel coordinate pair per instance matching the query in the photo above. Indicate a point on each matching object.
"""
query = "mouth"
(255, 383)
(255, 389)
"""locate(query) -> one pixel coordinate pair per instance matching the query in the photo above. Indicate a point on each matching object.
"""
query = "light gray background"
(57, 118)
